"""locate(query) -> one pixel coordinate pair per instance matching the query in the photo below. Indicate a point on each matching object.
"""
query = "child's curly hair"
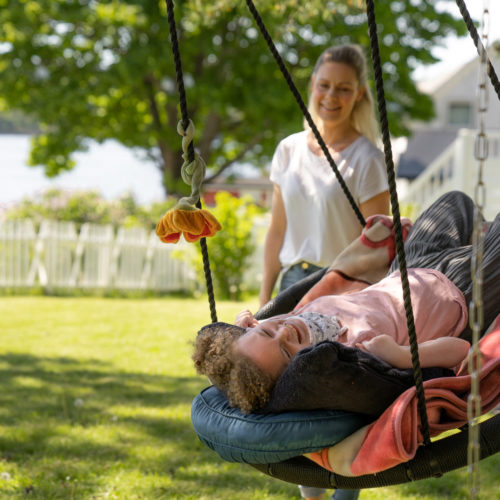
(245, 385)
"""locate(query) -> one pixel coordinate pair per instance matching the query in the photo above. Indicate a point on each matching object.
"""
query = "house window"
(460, 114)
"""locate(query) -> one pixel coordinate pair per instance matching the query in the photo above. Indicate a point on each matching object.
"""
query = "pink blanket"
(395, 436)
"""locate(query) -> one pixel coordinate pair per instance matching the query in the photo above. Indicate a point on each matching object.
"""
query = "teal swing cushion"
(267, 438)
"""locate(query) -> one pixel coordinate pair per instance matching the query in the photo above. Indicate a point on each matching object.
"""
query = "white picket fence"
(57, 256)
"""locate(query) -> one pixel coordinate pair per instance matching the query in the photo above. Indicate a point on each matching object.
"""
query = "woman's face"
(272, 344)
(335, 91)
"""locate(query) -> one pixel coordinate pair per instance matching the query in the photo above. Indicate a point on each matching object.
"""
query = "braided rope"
(190, 152)
(303, 107)
(417, 372)
(477, 41)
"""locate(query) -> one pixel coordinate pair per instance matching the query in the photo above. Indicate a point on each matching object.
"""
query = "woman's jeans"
(296, 273)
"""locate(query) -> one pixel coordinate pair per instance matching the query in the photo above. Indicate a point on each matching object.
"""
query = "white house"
(439, 156)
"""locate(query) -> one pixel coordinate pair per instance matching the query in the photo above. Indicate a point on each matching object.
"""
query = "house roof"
(428, 143)
(423, 147)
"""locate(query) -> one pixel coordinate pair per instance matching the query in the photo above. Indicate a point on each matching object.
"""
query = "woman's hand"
(245, 319)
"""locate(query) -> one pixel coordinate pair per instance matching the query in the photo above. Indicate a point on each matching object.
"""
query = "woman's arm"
(272, 247)
(379, 204)
(445, 352)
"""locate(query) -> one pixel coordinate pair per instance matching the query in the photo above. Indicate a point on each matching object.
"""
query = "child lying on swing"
(247, 359)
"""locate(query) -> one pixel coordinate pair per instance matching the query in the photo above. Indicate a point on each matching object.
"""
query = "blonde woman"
(312, 220)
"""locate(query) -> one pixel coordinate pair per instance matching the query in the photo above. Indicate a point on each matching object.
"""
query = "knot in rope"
(185, 217)
(192, 172)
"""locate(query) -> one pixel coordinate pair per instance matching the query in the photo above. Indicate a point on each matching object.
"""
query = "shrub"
(410, 210)
(231, 248)
(81, 206)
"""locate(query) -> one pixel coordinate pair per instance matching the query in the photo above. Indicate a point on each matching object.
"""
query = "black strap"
(377, 67)
(477, 42)
(185, 123)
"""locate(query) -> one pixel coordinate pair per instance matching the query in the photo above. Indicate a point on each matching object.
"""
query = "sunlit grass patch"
(96, 399)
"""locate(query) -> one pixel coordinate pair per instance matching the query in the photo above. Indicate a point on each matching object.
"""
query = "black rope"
(479, 46)
(185, 123)
(417, 372)
(304, 109)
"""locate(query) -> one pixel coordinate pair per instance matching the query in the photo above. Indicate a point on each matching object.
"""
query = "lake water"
(110, 168)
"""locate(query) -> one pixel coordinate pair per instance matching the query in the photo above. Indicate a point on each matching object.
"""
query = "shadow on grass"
(61, 417)
(36, 381)
(64, 420)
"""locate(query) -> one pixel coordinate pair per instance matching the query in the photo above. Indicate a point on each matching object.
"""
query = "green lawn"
(95, 404)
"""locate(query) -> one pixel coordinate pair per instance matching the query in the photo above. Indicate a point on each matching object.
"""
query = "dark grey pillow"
(332, 376)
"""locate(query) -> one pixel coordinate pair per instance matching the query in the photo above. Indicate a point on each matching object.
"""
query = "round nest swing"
(225, 429)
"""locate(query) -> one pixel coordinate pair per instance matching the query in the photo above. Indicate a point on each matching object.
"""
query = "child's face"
(272, 344)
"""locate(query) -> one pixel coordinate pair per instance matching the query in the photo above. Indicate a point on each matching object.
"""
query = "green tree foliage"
(87, 206)
(102, 69)
(231, 248)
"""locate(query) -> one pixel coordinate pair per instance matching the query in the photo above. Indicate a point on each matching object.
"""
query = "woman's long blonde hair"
(363, 114)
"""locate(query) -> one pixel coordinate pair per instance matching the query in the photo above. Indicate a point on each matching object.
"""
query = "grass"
(95, 404)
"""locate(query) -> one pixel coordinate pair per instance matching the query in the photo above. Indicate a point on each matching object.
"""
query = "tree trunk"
(210, 130)
(171, 172)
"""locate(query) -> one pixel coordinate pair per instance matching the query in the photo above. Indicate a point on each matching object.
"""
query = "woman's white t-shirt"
(320, 219)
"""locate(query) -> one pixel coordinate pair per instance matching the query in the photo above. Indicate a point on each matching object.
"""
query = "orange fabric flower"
(193, 224)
